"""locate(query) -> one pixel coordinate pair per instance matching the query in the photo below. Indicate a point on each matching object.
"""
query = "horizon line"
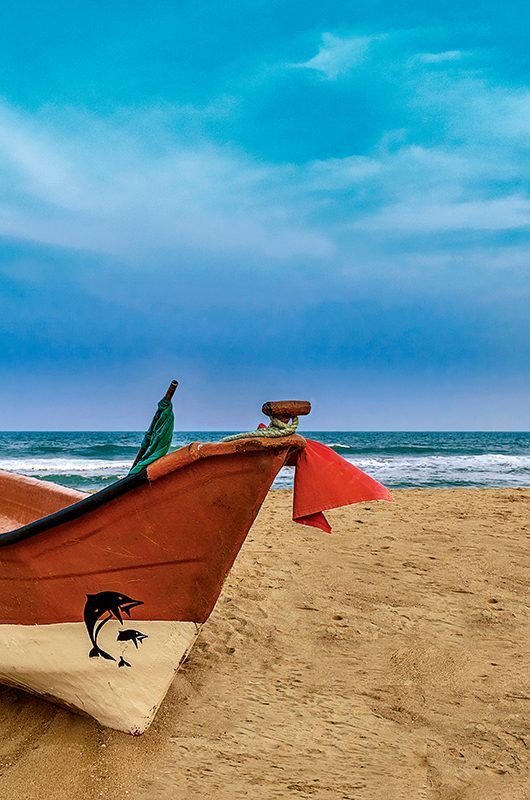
(234, 430)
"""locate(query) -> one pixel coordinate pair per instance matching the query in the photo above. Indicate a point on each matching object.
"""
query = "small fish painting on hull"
(102, 607)
(136, 637)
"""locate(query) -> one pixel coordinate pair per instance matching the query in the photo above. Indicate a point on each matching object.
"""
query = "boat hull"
(98, 610)
(51, 660)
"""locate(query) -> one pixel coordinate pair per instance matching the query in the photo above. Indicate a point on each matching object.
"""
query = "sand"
(388, 660)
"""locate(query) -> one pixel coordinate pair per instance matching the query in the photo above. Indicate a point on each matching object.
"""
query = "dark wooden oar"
(168, 395)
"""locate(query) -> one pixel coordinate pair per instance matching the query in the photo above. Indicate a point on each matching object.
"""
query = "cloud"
(439, 58)
(337, 55)
(407, 223)
(132, 188)
(129, 187)
(504, 214)
(457, 169)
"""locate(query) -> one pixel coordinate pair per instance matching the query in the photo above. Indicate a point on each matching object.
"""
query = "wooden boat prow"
(196, 450)
(103, 595)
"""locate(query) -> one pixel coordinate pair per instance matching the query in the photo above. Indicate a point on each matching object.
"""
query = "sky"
(265, 200)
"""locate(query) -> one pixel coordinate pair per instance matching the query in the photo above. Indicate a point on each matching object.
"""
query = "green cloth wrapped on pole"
(157, 440)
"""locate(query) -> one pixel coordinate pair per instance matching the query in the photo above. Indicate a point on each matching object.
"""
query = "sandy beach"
(390, 659)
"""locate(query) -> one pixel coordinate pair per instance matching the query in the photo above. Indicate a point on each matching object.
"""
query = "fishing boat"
(103, 595)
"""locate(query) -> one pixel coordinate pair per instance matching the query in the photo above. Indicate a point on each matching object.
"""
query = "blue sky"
(265, 200)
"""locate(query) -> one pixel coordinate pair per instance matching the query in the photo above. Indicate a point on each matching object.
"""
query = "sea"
(92, 460)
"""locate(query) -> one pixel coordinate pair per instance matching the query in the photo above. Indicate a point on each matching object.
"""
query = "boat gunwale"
(172, 462)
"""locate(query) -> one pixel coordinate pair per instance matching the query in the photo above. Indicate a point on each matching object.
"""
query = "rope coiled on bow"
(275, 429)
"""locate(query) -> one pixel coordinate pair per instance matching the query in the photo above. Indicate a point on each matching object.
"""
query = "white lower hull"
(53, 660)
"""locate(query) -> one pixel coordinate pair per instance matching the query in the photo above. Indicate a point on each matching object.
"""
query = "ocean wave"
(64, 466)
(482, 461)
(93, 460)
(408, 449)
(86, 483)
(114, 451)
(107, 450)
(487, 469)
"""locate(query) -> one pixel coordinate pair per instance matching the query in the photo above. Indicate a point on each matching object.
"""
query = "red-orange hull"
(124, 578)
(168, 542)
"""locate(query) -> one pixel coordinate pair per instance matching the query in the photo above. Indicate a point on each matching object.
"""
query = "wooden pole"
(168, 395)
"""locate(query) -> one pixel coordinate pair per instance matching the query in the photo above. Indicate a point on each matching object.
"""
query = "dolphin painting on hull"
(99, 609)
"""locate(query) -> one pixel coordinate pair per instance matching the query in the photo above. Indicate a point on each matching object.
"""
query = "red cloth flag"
(324, 480)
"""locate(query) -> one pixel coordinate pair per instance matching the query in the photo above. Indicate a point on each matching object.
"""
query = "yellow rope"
(276, 428)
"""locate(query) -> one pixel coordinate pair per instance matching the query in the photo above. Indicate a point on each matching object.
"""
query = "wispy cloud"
(421, 216)
(129, 187)
(439, 58)
(337, 55)
(360, 211)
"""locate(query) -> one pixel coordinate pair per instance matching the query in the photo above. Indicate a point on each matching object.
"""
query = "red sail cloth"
(324, 480)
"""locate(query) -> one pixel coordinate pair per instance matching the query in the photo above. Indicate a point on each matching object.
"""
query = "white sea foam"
(64, 466)
(486, 469)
